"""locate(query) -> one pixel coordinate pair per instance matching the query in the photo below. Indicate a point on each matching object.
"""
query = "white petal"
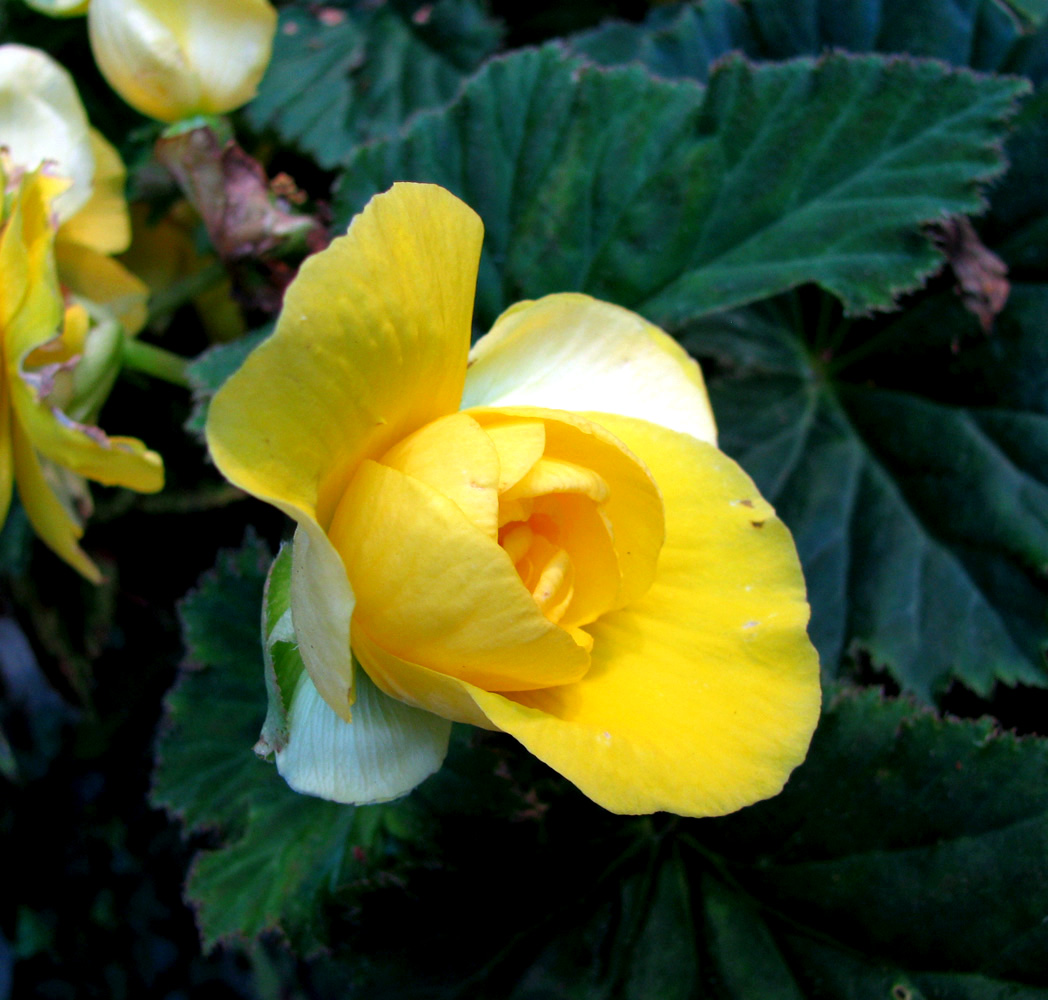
(386, 750)
(572, 352)
(42, 119)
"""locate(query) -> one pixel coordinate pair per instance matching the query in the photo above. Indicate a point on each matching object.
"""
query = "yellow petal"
(172, 60)
(103, 281)
(42, 120)
(371, 345)
(571, 352)
(112, 461)
(30, 305)
(103, 223)
(432, 588)
(554, 475)
(519, 445)
(704, 693)
(7, 467)
(416, 685)
(456, 458)
(56, 525)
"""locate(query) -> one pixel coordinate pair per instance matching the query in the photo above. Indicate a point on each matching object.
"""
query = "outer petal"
(103, 223)
(432, 587)
(386, 750)
(703, 694)
(571, 352)
(371, 345)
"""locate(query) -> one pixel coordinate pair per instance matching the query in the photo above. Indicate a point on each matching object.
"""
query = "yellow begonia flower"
(42, 448)
(172, 59)
(43, 121)
(544, 540)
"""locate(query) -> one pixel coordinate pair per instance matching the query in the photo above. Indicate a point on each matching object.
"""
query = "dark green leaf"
(907, 837)
(283, 854)
(341, 77)
(676, 42)
(919, 502)
(284, 665)
(677, 201)
(681, 41)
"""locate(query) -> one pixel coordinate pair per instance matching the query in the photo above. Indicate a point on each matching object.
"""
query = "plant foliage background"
(778, 186)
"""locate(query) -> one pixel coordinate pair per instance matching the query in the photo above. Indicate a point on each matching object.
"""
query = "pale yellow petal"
(103, 223)
(371, 345)
(432, 588)
(321, 608)
(173, 60)
(704, 693)
(571, 352)
(103, 281)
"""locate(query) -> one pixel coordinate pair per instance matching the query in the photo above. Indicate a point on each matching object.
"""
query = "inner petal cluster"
(477, 517)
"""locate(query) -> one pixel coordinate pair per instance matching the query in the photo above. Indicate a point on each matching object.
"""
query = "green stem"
(152, 360)
(169, 299)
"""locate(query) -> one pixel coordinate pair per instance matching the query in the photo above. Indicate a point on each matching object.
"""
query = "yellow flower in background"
(59, 8)
(545, 542)
(42, 448)
(172, 59)
(43, 121)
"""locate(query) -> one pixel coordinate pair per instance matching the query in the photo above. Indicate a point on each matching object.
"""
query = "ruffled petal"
(371, 345)
(432, 588)
(703, 694)
(386, 750)
(571, 352)
(87, 451)
(633, 505)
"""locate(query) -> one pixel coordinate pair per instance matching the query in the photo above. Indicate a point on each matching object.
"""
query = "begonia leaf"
(281, 853)
(914, 481)
(339, 77)
(911, 839)
(641, 191)
(682, 42)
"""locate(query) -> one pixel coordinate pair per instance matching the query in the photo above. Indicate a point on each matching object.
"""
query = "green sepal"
(283, 663)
